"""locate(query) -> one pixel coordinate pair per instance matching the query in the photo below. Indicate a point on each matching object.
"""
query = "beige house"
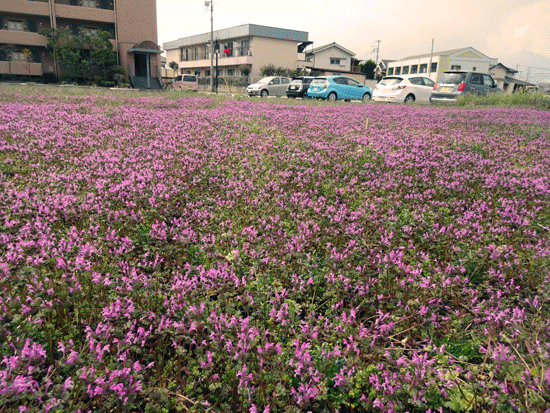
(330, 57)
(504, 76)
(132, 24)
(249, 45)
(466, 58)
(382, 67)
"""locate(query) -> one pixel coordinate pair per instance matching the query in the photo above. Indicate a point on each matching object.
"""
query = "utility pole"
(210, 3)
(377, 50)
(431, 55)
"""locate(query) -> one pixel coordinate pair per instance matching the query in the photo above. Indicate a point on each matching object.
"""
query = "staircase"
(140, 82)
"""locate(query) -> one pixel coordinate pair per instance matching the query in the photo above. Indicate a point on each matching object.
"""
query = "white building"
(249, 45)
(466, 58)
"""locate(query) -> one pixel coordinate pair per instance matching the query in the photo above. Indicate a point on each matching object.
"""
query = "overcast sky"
(517, 32)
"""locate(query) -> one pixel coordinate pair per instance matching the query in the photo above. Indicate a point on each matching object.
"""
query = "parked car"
(454, 83)
(189, 82)
(271, 85)
(403, 88)
(338, 87)
(298, 87)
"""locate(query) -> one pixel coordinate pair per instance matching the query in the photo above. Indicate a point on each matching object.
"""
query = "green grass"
(536, 100)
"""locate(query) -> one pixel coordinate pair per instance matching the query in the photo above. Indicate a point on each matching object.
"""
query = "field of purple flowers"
(214, 255)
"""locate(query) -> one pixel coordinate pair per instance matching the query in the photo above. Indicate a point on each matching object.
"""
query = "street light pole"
(211, 4)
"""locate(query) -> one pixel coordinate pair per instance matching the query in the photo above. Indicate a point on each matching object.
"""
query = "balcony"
(22, 38)
(64, 11)
(222, 61)
(35, 8)
(19, 68)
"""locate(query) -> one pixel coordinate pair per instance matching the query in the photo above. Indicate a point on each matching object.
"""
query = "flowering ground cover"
(162, 254)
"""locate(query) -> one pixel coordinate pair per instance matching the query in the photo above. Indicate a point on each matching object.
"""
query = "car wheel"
(264, 93)
(366, 97)
(409, 99)
(332, 96)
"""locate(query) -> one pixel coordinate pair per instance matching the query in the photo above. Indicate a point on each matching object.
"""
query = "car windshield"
(388, 81)
(264, 81)
(189, 78)
(318, 81)
(452, 78)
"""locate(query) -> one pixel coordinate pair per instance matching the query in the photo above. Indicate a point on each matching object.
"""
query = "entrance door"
(140, 64)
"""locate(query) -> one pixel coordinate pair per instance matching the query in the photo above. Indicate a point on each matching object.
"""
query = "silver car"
(271, 85)
(454, 83)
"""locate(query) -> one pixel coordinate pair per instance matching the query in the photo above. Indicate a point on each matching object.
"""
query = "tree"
(368, 68)
(8, 50)
(102, 53)
(245, 71)
(174, 66)
(78, 53)
(28, 60)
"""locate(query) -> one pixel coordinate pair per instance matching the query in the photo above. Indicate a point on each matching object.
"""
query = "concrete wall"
(280, 53)
(136, 22)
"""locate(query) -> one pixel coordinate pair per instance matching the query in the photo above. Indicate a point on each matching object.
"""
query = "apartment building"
(434, 64)
(249, 45)
(132, 24)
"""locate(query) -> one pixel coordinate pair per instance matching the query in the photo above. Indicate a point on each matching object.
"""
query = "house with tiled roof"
(432, 65)
(504, 76)
(330, 57)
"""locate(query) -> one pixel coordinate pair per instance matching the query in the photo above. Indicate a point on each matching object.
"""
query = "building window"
(397, 70)
(197, 72)
(405, 70)
(16, 25)
(207, 73)
(245, 47)
(90, 31)
(18, 57)
(433, 67)
(455, 67)
(474, 68)
(424, 68)
(414, 69)
(196, 55)
(181, 54)
(334, 61)
(230, 72)
(90, 3)
(229, 46)
(390, 71)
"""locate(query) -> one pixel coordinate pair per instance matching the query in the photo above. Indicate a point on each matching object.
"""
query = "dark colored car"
(298, 87)
(454, 83)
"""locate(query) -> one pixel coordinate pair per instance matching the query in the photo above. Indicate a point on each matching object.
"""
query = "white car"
(403, 88)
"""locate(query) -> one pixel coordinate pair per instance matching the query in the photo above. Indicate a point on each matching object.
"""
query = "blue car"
(338, 87)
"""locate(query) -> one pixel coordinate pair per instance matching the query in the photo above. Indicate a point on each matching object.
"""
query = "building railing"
(221, 55)
(94, 4)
